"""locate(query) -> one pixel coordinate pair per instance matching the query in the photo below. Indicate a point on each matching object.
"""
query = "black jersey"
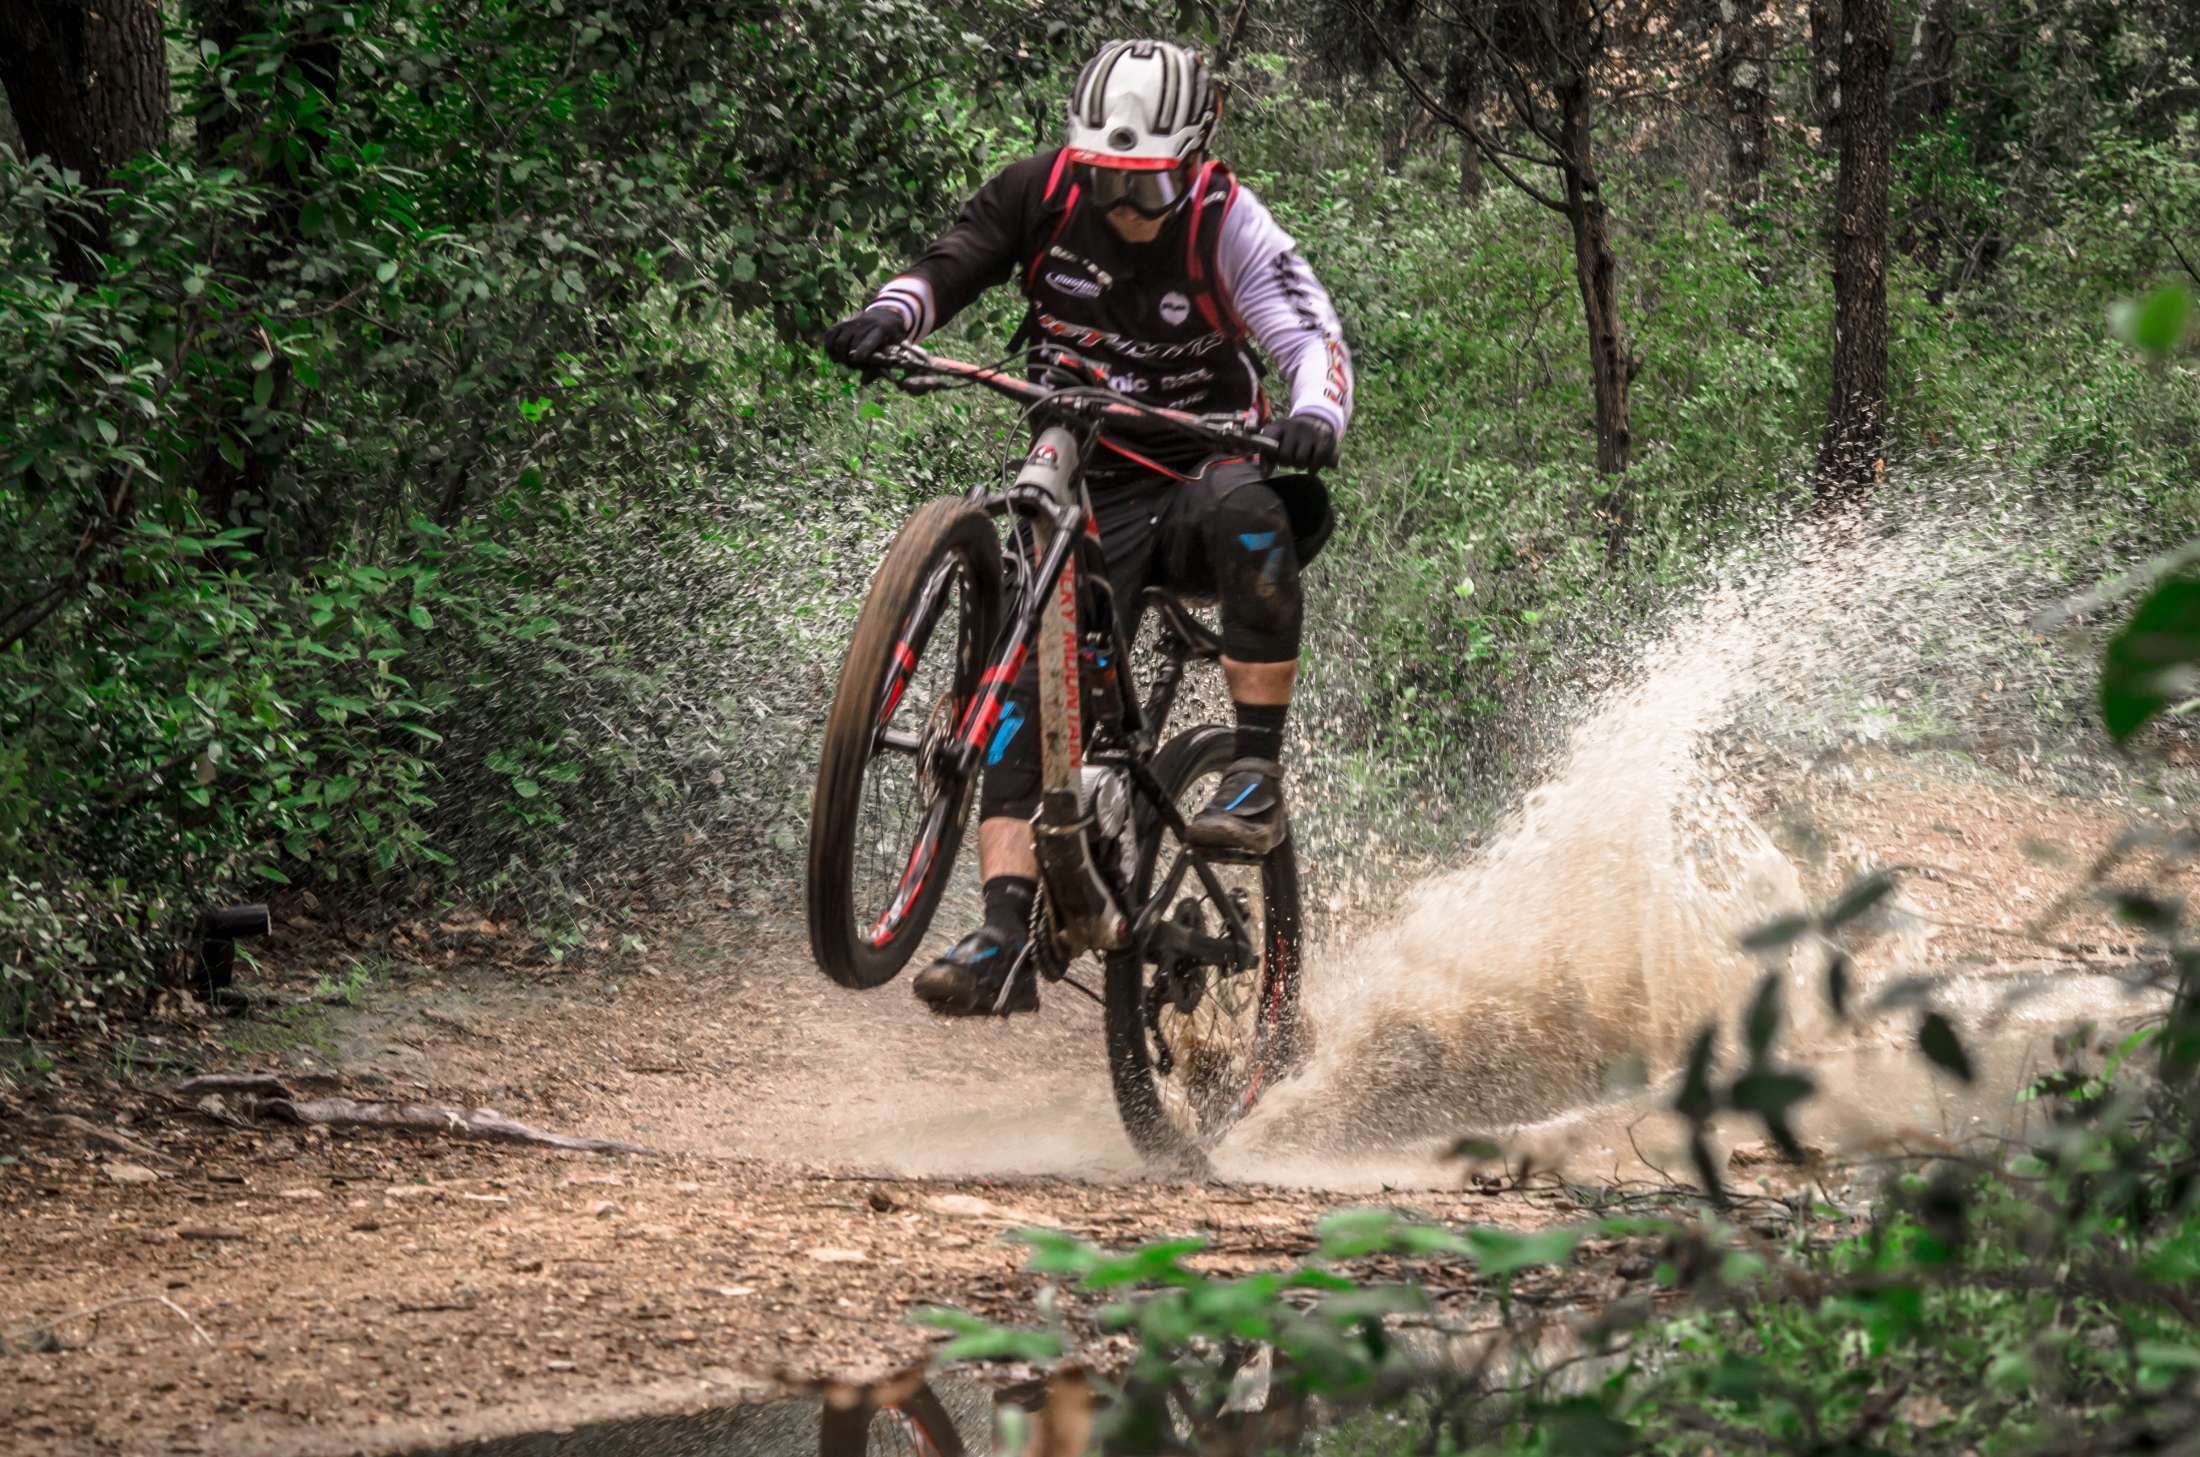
(1169, 320)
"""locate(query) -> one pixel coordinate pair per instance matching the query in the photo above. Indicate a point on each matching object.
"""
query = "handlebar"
(924, 371)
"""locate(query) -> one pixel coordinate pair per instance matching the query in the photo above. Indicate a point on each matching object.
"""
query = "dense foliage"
(427, 490)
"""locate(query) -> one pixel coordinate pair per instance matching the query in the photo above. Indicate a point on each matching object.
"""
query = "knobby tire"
(1191, 756)
(940, 531)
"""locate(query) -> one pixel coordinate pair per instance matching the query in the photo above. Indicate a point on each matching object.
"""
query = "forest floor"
(186, 1280)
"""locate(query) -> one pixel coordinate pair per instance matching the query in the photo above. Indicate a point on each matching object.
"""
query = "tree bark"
(1849, 458)
(1611, 365)
(1929, 82)
(1744, 60)
(1825, 71)
(1398, 143)
(89, 88)
(1465, 83)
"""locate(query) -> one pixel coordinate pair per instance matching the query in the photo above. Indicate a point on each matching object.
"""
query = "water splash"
(1576, 956)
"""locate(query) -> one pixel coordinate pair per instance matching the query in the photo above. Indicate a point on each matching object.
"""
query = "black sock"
(1008, 901)
(1260, 730)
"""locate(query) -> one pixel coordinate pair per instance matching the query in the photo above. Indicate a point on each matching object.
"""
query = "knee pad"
(1010, 783)
(1255, 565)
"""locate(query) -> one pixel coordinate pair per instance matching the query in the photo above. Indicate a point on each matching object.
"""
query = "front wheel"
(1191, 1047)
(889, 811)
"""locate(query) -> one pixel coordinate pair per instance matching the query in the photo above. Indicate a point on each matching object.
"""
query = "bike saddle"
(1196, 635)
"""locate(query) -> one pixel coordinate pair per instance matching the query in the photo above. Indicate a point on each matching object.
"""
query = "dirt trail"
(831, 1160)
(369, 1292)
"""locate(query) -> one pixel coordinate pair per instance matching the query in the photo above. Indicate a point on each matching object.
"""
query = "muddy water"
(1575, 959)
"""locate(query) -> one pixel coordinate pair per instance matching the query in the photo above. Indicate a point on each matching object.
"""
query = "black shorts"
(1223, 534)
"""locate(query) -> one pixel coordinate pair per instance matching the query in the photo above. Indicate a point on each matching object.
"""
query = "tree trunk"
(89, 89)
(1465, 77)
(1929, 80)
(1744, 58)
(1398, 145)
(1611, 366)
(1848, 460)
(1825, 71)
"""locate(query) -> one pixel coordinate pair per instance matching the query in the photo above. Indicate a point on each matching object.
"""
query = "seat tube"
(1052, 468)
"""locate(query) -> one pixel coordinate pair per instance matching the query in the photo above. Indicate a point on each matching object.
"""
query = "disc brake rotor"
(939, 731)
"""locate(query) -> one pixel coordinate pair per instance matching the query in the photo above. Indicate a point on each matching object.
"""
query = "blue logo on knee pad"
(1012, 719)
(1257, 540)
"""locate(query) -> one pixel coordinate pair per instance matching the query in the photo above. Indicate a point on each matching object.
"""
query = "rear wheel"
(888, 815)
(1191, 1047)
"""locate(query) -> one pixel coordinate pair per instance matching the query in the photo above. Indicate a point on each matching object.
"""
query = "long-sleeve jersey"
(1168, 318)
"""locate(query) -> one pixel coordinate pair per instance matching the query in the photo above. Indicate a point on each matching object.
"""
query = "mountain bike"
(1199, 949)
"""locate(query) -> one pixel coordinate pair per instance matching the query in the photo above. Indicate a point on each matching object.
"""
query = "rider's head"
(1140, 119)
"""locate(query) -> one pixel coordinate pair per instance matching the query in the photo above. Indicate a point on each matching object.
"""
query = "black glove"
(856, 341)
(1305, 442)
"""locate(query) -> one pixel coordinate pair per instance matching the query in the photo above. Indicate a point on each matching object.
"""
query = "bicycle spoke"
(1214, 1048)
(902, 791)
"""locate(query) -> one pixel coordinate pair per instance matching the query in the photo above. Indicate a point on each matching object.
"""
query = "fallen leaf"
(123, 1173)
(826, 1254)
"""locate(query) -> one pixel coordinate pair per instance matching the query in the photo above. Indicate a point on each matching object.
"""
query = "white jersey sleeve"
(1286, 310)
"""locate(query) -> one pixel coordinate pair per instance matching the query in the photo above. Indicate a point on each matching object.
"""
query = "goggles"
(1150, 189)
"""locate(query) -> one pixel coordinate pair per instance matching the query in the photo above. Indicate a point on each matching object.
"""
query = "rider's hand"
(856, 341)
(1306, 442)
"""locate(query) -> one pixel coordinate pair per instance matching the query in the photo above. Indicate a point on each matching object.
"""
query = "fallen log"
(263, 1084)
(479, 1123)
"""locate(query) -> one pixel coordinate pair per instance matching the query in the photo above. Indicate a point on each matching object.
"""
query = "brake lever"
(1236, 432)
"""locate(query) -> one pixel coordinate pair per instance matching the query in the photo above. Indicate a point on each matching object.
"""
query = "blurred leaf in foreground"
(2150, 664)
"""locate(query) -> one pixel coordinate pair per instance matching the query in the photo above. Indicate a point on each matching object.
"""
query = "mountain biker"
(1141, 253)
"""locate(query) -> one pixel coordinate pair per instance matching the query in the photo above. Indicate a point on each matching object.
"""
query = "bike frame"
(1063, 588)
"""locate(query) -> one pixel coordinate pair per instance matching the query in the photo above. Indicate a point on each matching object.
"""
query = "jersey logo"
(1175, 308)
(1073, 286)
(1100, 275)
(1338, 382)
(1083, 336)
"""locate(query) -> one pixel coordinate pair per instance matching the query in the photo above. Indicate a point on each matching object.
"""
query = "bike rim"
(908, 800)
(1221, 1050)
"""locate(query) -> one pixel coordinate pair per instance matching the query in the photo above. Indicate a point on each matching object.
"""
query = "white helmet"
(1140, 112)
